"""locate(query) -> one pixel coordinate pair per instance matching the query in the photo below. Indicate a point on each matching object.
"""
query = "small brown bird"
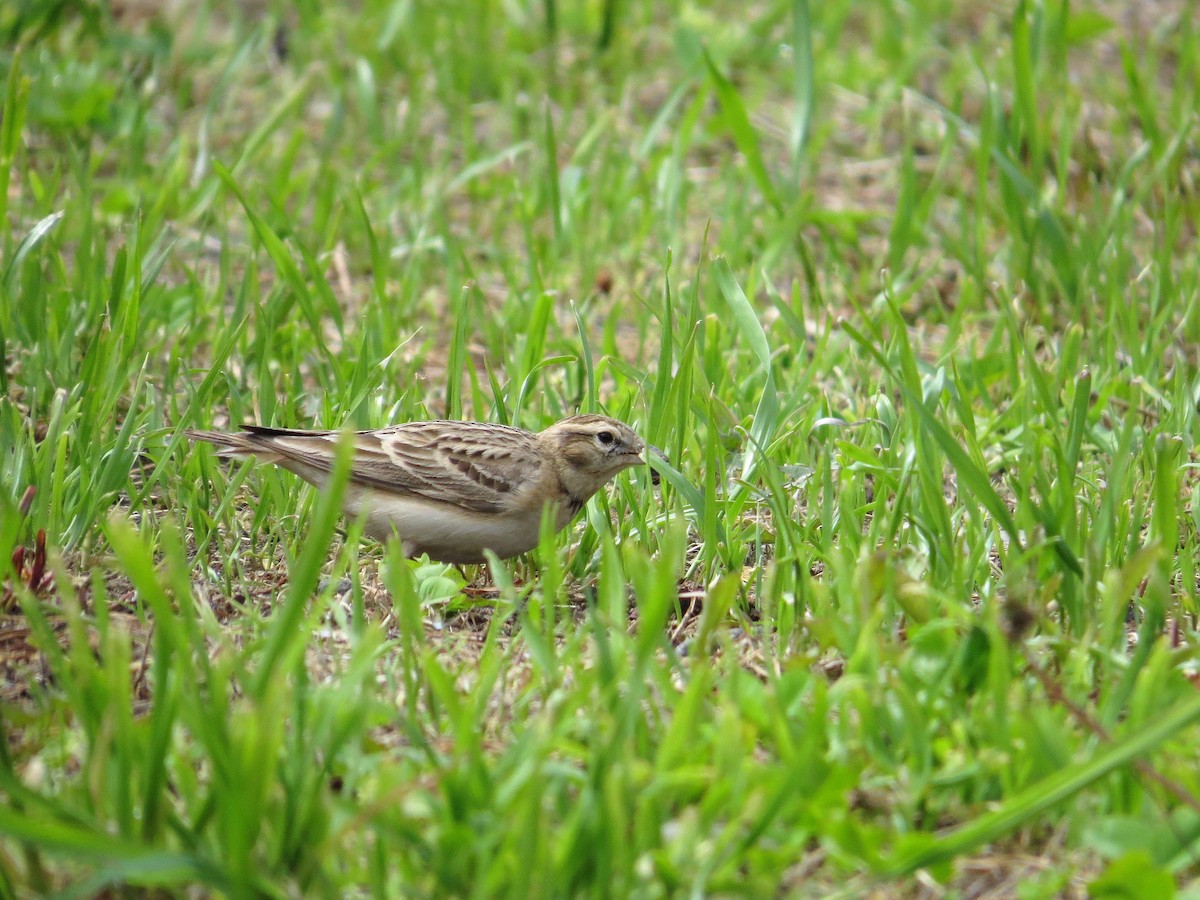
(452, 489)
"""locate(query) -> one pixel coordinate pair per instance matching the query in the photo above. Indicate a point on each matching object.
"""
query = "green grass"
(908, 294)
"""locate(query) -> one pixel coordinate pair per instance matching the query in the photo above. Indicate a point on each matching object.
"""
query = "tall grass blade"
(742, 132)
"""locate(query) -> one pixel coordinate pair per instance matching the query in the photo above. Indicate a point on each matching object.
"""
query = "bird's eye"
(605, 437)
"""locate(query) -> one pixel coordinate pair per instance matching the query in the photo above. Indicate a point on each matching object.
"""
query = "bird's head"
(591, 449)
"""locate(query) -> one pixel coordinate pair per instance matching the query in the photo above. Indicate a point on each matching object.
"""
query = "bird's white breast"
(444, 531)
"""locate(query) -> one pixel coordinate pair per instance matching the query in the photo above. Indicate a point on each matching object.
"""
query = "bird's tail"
(231, 444)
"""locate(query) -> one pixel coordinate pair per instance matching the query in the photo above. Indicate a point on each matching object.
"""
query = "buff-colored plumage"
(452, 489)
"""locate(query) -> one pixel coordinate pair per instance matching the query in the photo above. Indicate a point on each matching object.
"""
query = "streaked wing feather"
(473, 466)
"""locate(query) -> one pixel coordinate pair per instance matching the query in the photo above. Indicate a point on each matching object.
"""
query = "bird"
(452, 489)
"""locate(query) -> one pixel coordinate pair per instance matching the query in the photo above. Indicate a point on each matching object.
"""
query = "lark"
(454, 489)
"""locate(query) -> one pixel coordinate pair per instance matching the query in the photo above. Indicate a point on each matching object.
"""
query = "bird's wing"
(476, 466)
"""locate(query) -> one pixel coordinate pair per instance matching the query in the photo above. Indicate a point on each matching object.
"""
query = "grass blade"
(1044, 795)
(737, 121)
